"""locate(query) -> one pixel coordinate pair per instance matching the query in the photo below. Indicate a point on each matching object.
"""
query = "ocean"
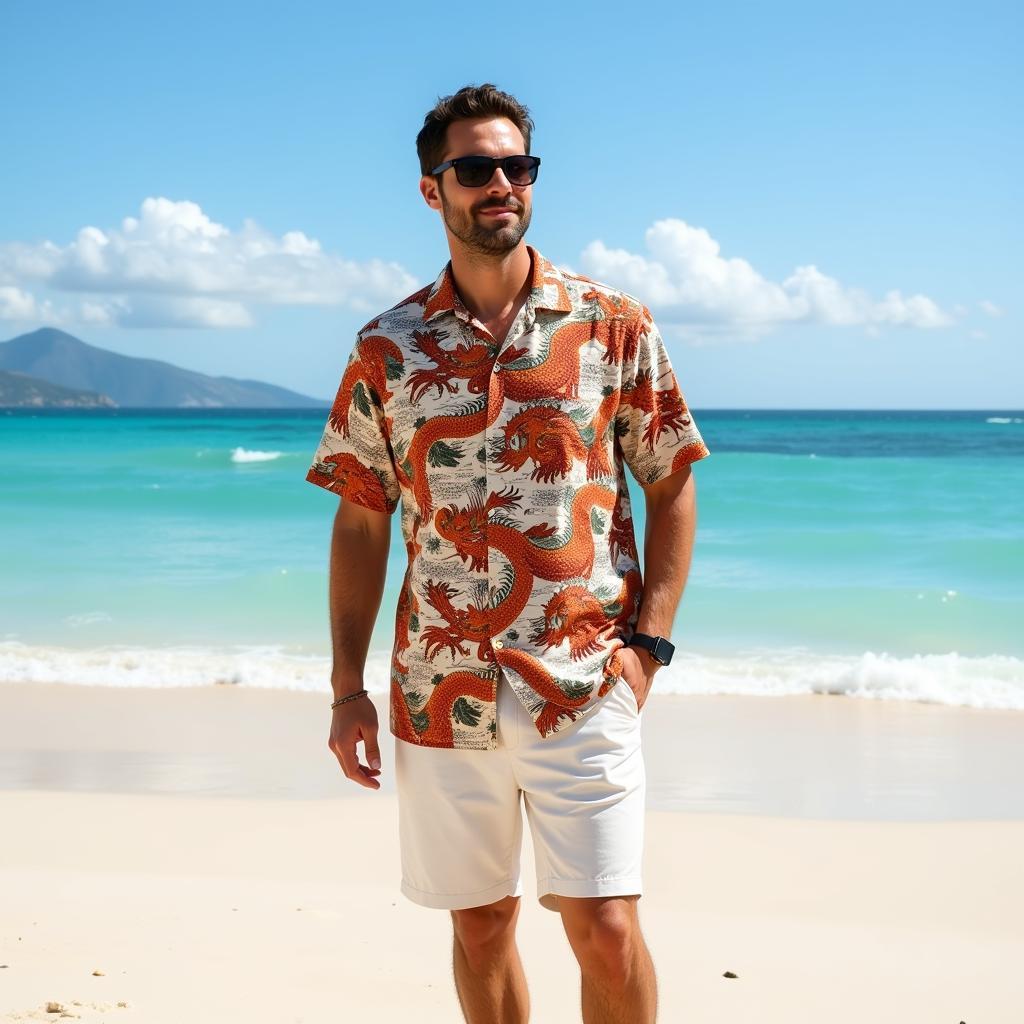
(870, 554)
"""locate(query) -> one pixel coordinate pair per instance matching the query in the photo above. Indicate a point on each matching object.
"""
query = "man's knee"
(480, 929)
(604, 934)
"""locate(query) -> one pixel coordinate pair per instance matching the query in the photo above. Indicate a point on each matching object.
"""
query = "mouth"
(498, 211)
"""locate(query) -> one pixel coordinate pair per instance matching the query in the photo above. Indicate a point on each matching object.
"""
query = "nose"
(498, 182)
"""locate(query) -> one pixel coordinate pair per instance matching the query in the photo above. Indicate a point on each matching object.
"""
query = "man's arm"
(360, 541)
(671, 513)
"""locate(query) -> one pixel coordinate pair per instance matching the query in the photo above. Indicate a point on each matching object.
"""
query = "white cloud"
(991, 308)
(172, 266)
(16, 304)
(699, 294)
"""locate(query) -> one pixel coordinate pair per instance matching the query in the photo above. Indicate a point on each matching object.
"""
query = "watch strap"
(659, 646)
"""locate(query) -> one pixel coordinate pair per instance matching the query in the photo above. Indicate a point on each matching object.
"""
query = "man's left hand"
(638, 668)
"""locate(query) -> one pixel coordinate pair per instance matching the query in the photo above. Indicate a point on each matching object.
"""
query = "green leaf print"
(443, 454)
(393, 368)
(465, 713)
(575, 690)
(360, 398)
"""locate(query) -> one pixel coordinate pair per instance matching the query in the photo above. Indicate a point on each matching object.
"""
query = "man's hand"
(638, 668)
(359, 558)
(352, 722)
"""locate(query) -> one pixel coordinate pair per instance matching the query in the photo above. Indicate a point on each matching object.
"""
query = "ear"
(429, 191)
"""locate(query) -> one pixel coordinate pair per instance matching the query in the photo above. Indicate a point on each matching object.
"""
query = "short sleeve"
(655, 430)
(354, 458)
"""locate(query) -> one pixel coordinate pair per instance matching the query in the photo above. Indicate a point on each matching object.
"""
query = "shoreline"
(985, 681)
(808, 756)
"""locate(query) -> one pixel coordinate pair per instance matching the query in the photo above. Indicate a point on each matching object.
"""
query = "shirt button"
(498, 644)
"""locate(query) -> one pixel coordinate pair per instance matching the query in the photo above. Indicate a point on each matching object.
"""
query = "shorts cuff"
(462, 900)
(547, 888)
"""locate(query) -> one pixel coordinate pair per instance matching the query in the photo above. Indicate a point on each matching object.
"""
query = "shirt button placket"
(493, 484)
(490, 475)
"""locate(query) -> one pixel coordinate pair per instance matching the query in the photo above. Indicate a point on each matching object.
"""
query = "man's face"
(464, 209)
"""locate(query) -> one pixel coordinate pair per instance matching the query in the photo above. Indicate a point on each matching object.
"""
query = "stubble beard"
(477, 237)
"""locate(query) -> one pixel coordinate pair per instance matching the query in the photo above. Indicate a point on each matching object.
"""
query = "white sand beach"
(195, 855)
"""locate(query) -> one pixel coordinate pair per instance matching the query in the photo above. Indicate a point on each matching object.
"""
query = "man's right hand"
(354, 721)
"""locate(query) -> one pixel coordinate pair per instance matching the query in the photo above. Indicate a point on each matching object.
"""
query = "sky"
(820, 204)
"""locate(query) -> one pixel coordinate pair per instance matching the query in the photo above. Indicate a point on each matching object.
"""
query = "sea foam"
(993, 681)
(249, 455)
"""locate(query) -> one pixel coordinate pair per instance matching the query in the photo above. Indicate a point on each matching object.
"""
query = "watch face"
(662, 651)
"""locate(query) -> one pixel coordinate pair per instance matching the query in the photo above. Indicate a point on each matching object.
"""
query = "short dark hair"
(485, 100)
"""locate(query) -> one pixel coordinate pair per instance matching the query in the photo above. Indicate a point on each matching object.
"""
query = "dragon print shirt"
(507, 460)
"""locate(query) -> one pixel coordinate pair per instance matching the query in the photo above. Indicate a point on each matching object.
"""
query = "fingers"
(344, 748)
(643, 683)
(631, 659)
(372, 749)
(355, 771)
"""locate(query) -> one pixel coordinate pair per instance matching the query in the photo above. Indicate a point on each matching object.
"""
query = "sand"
(202, 850)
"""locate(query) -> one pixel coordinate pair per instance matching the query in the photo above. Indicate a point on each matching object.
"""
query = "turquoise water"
(871, 552)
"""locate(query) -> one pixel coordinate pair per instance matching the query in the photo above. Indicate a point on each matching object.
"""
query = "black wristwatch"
(661, 650)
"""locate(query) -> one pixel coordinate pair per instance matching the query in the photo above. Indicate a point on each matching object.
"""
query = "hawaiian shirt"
(508, 461)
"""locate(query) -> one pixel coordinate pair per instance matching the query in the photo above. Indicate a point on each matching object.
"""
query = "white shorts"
(460, 820)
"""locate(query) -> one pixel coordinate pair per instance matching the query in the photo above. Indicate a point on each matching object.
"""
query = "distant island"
(19, 389)
(51, 368)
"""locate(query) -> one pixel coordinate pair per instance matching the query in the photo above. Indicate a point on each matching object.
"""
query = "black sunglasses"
(474, 171)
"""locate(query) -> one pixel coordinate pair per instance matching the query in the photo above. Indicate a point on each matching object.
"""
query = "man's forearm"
(668, 549)
(358, 569)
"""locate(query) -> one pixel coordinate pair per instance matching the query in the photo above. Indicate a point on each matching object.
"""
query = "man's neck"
(492, 288)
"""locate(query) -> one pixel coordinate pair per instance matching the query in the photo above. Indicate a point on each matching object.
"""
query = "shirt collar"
(547, 290)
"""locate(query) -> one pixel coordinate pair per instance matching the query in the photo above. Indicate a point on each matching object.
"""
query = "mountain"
(60, 358)
(18, 389)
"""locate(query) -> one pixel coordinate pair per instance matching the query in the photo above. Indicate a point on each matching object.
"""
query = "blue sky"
(820, 203)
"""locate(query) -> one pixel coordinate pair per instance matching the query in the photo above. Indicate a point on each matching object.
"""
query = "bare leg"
(617, 975)
(489, 975)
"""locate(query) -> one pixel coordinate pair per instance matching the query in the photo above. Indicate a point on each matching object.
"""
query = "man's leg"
(617, 974)
(489, 975)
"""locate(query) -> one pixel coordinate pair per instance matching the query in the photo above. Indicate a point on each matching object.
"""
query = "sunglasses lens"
(521, 170)
(474, 171)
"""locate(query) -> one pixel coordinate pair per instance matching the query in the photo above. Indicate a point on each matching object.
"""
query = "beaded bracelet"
(351, 696)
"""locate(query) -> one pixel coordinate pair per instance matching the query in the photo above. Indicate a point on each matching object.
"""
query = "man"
(499, 404)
